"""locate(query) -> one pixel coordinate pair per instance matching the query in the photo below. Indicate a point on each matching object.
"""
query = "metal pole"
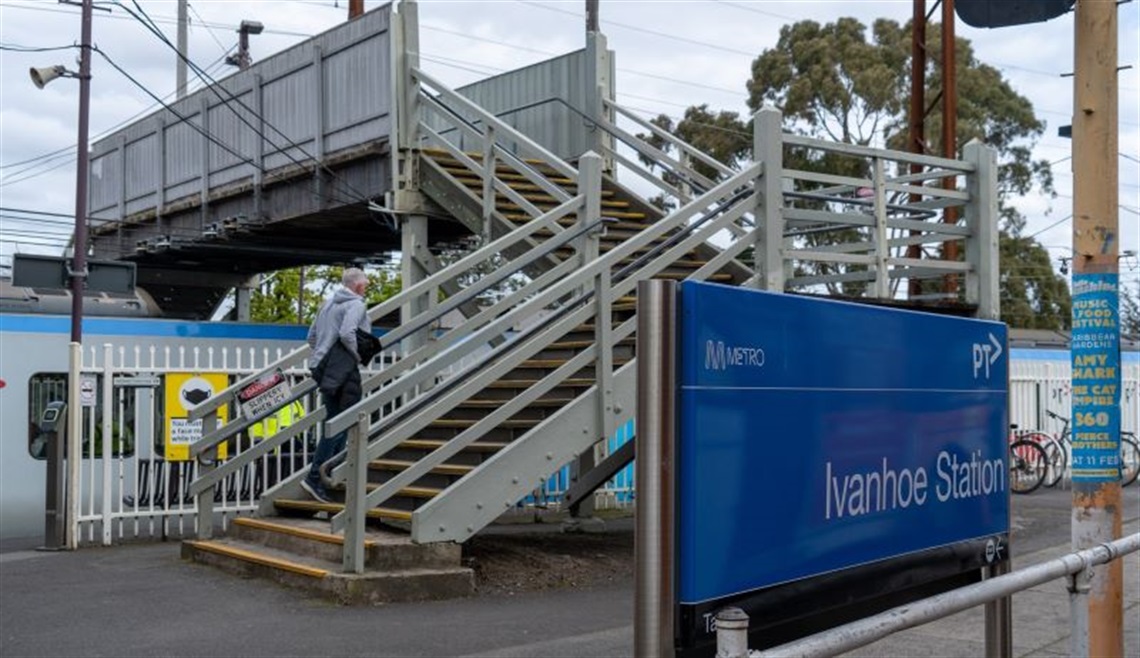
(654, 530)
(1096, 516)
(916, 117)
(244, 60)
(74, 442)
(79, 257)
(183, 48)
(592, 16)
(301, 295)
(949, 130)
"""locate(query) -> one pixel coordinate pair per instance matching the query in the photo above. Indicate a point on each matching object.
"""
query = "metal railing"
(561, 292)
(732, 636)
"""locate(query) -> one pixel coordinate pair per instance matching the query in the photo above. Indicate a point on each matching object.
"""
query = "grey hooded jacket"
(338, 319)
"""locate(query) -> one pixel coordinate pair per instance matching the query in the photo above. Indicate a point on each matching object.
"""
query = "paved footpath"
(143, 600)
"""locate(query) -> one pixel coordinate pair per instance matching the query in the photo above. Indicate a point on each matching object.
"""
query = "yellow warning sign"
(184, 391)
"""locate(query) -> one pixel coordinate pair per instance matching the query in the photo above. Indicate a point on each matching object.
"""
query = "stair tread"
(432, 444)
(578, 382)
(404, 464)
(287, 529)
(490, 403)
(509, 176)
(439, 154)
(615, 214)
(269, 557)
(333, 508)
(460, 423)
(411, 491)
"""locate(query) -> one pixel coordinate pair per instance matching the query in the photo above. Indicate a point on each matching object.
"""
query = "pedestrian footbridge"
(520, 356)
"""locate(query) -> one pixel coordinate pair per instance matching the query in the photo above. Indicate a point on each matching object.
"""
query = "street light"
(78, 271)
(242, 60)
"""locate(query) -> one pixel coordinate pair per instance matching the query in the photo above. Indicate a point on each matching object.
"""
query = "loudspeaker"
(41, 77)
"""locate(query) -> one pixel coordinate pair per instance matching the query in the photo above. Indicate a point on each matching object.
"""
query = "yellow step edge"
(474, 155)
(403, 464)
(434, 444)
(411, 492)
(463, 424)
(582, 344)
(509, 176)
(629, 226)
(258, 558)
(303, 533)
(333, 508)
(518, 217)
(546, 199)
(516, 182)
(495, 404)
(527, 383)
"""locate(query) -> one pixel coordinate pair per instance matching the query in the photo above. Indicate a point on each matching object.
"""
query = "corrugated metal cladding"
(545, 101)
(327, 94)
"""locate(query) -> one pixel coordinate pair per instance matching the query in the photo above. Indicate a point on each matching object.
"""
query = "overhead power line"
(165, 20)
(32, 49)
(68, 152)
(635, 28)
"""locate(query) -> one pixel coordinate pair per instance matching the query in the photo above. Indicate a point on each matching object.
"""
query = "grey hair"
(352, 276)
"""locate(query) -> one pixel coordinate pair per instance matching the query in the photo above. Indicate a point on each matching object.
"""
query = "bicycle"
(1057, 453)
(1027, 464)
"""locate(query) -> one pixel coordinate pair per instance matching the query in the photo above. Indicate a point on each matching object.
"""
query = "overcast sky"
(669, 55)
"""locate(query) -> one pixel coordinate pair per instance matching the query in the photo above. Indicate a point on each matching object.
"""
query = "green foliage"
(838, 82)
(1032, 296)
(276, 299)
(1130, 311)
(831, 81)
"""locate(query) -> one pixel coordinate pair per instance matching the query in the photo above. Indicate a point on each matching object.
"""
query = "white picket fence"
(130, 488)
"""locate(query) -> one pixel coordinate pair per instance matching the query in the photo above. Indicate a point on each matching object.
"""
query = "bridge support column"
(413, 269)
(243, 295)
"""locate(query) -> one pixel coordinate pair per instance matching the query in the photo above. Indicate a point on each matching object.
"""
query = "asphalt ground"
(143, 600)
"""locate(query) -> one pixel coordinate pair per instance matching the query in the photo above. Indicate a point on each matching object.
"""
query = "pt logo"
(985, 355)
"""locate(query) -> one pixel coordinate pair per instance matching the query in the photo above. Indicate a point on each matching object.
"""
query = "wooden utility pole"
(355, 8)
(1096, 515)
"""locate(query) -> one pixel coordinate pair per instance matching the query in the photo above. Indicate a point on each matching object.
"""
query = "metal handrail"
(680, 144)
(555, 162)
(692, 232)
(462, 343)
(870, 629)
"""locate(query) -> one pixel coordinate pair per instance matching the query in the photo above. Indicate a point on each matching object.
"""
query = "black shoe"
(316, 491)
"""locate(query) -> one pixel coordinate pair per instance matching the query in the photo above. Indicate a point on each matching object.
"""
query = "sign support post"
(653, 619)
(1096, 517)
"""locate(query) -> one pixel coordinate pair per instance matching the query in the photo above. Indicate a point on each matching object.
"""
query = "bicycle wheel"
(1027, 466)
(1129, 458)
(1056, 459)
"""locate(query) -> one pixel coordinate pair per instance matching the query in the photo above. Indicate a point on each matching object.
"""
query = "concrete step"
(324, 578)
(384, 550)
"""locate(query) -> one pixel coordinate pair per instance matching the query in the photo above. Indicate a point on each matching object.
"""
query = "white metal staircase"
(463, 422)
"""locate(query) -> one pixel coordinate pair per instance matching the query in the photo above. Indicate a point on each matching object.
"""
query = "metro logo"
(718, 356)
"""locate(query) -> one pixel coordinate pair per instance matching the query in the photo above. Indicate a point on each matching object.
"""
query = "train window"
(44, 388)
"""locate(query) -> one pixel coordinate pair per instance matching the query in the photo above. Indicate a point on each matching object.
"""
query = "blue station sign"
(818, 436)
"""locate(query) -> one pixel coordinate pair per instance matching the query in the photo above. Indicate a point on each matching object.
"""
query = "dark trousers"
(335, 401)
